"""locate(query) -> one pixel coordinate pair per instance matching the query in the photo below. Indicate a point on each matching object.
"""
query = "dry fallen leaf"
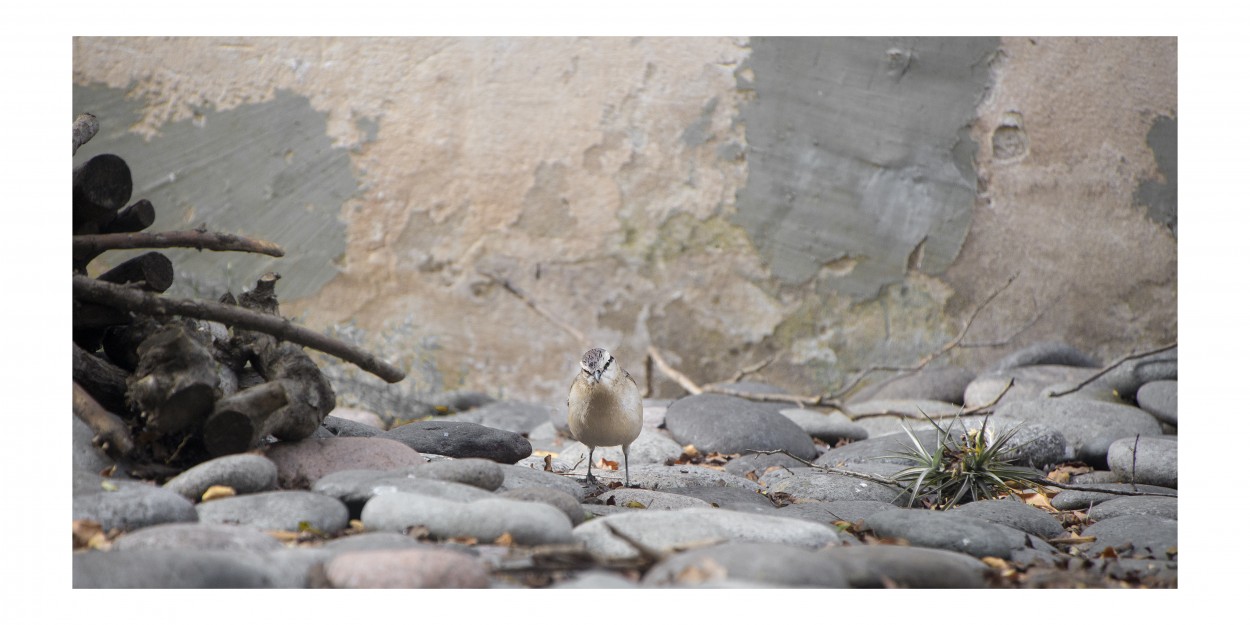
(547, 464)
(504, 540)
(635, 504)
(217, 491)
(356, 525)
(604, 463)
(997, 563)
(1038, 500)
(88, 534)
(108, 486)
(690, 450)
(419, 531)
(702, 571)
(463, 540)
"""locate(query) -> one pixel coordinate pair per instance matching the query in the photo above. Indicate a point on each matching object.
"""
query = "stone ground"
(495, 496)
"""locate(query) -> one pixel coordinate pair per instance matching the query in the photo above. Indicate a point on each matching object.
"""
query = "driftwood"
(130, 299)
(111, 433)
(102, 185)
(176, 381)
(88, 246)
(1107, 369)
(85, 127)
(240, 421)
(133, 218)
(102, 379)
(152, 271)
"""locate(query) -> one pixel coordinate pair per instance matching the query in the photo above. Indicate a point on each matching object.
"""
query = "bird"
(605, 408)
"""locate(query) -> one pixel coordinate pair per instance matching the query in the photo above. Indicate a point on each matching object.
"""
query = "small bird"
(605, 408)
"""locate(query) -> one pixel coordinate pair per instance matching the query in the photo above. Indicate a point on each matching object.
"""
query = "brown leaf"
(217, 491)
(547, 464)
(1038, 500)
(702, 571)
(1064, 472)
(690, 450)
(88, 534)
(504, 540)
(419, 532)
(752, 476)
(462, 540)
(604, 463)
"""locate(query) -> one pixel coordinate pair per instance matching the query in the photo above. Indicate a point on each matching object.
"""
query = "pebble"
(1150, 536)
(1154, 461)
(279, 510)
(1164, 507)
(87, 457)
(664, 530)
(650, 499)
(828, 427)
(831, 512)
(1035, 382)
(886, 566)
(1012, 513)
(1046, 353)
(515, 477)
(460, 400)
(166, 569)
(303, 462)
(819, 484)
(751, 563)
(1159, 399)
(355, 488)
(595, 579)
(651, 447)
(372, 540)
(346, 427)
(462, 440)
(130, 504)
(730, 425)
(659, 477)
(1089, 426)
(726, 497)
(205, 536)
(751, 466)
(557, 499)
(944, 384)
(477, 472)
(1131, 375)
(1080, 499)
(943, 530)
(528, 523)
(513, 416)
(429, 567)
(245, 473)
(363, 417)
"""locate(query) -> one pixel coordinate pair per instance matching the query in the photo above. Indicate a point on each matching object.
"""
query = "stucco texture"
(835, 203)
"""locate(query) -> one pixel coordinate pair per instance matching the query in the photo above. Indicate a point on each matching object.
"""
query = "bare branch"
(111, 432)
(1113, 365)
(673, 374)
(91, 245)
(538, 308)
(85, 127)
(279, 327)
(856, 474)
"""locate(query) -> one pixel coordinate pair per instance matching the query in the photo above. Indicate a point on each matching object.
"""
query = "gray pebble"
(1012, 513)
(557, 499)
(1165, 507)
(650, 499)
(278, 510)
(811, 483)
(663, 530)
(406, 568)
(166, 569)
(1159, 399)
(1149, 536)
(884, 566)
(1152, 462)
(303, 462)
(245, 473)
(132, 505)
(771, 564)
(1080, 499)
(486, 520)
(731, 425)
(206, 536)
(943, 530)
(462, 440)
(828, 427)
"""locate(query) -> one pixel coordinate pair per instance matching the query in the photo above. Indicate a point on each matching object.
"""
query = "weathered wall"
(837, 202)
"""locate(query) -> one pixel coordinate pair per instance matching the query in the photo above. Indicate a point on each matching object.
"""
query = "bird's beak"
(597, 374)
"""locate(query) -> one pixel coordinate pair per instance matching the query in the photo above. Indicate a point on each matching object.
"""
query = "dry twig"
(1113, 365)
(91, 245)
(538, 308)
(111, 432)
(279, 327)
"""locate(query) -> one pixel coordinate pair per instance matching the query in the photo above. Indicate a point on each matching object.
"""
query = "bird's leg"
(590, 462)
(625, 450)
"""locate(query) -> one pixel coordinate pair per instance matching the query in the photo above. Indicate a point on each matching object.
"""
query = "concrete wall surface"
(833, 202)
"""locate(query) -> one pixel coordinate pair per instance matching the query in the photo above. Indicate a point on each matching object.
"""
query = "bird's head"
(597, 365)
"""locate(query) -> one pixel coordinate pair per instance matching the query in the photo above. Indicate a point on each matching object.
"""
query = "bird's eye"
(609, 362)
